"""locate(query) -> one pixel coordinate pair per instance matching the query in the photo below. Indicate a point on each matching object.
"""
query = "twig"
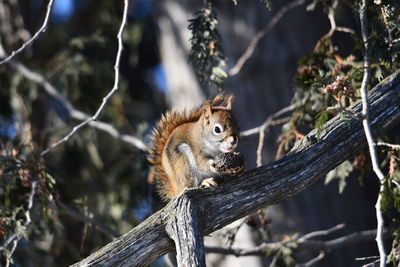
(301, 243)
(334, 27)
(275, 258)
(259, 148)
(368, 133)
(14, 238)
(88, 220)
(372, 264)
(84, 231)
(392, 146)
(14, 246)
(322, 232)
(34, 37)
(367, 258)
(73, 112)
(260, 34)
(311, 262)
(270, 121)
(105, 99)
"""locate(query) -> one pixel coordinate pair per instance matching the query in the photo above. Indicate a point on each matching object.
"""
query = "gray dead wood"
(184, 229)
(309, 160)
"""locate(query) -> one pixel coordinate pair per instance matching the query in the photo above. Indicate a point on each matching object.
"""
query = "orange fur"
(161, 133)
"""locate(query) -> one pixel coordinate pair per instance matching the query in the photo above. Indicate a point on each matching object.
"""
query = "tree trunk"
(183, 227)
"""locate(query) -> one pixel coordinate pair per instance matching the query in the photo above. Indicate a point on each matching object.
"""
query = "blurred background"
(96, 186)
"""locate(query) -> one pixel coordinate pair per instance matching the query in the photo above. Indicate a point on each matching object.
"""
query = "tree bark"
(184, 229)
(310, 159)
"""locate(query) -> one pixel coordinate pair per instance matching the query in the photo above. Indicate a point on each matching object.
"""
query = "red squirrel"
(186, 144)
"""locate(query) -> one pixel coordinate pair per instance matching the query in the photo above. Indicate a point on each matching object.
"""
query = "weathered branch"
(309, 160)
(184, 229)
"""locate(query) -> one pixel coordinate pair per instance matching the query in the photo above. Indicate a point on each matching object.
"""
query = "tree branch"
(260, 34)
(368, 133)
(311, 262)
(34, 37)
(302, 243)
(72, 111)
(391, 146)
(105, 99)
(183, 228)
(90, 220)
(272, 120)
(309, 160)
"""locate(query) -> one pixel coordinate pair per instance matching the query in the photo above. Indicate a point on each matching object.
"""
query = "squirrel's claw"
(208, 183)
(211, 163)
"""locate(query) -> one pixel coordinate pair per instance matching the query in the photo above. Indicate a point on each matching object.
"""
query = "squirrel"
(186, 144)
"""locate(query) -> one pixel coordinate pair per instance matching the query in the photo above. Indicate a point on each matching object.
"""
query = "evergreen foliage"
(206, 52)
(327, 82)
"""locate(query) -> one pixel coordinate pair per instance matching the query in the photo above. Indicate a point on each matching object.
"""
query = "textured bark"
(185, 230)
(310, 159)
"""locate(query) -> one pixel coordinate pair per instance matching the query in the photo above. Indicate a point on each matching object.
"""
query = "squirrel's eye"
(217, 129)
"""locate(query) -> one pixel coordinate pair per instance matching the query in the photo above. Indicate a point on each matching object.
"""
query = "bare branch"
(105, 99)
(368, 133)
(260, 34)
(34, 37)
(259, 148)
(272, 120)
(372, 264)
(367, 258)
(322, 232)
(90, 220)
(73, 112)
(392, 146)
(311, 262)
(13, 247)
(334, 27)
(301, 243)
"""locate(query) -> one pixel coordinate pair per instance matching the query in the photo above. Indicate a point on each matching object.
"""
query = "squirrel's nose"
(232, 140)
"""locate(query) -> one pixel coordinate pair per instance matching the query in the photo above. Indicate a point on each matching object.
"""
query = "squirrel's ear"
(229, 102)
(207, 112)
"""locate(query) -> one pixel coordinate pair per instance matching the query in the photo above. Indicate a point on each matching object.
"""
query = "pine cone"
(229, 163)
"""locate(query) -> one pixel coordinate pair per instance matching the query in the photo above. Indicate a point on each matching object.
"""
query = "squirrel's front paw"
(208, 183)
(211, 164)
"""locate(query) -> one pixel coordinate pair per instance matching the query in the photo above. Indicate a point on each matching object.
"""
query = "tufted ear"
(207, 112)
(229, 102)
